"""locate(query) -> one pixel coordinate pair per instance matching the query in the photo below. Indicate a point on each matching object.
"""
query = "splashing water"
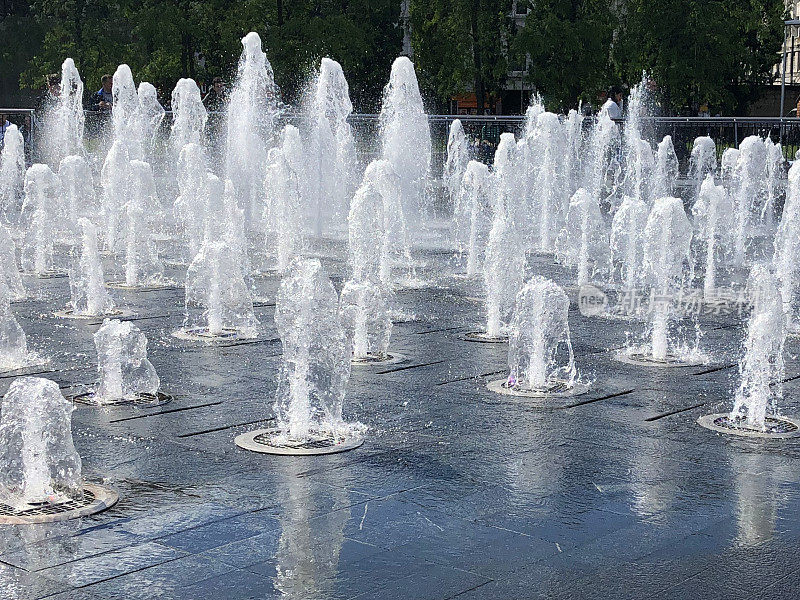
(457, 159)
(12, 174)
(64, 126)
(713, 217)
(583, 241)
(77, 197)
(627, 242)
(191, 206)
(13, 342)
(762, 367)
(38, 461)
(665, 170)
(331, 151)
(88, 295)
(550, 187)
(142, 265)
(473, 214)
(540, 353)
(115, 177)
(787, 246)
(125, 372)
(406, 137)
(364, 307)
(316, 362)
(667, 240)
(748, 182)
(702, 162)
(189, 116)
(503, 272)
(253, 111)
(8, 266)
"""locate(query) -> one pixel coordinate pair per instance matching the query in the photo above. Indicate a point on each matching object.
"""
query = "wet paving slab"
(457, 492)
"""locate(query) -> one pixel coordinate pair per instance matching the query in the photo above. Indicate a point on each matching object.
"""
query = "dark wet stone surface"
(457, 492)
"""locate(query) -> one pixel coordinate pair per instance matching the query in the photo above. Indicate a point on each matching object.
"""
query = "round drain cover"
(776, 426)
(272, 441)
(95, 499)
(53, 274)
(482, 336)
(648, 360)
(373, 359)
(555, 391)
(142, 399)
(68, 313)
(202, 334)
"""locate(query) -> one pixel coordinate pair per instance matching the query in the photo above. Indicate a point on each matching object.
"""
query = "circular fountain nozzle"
(68, 313)
(374, 359)
(775, 426)
(482, 336)
(141, 399)
(95, 499)
(276, 441)
(203, 334)
(648, 360)
(553, 395)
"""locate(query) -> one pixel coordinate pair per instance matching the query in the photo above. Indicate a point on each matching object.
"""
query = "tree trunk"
(480, 91)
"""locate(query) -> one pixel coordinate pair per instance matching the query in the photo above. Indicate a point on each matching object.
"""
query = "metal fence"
(483, 132)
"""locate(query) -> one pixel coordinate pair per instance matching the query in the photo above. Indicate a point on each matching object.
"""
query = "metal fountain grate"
(772, 425)
(268, 440)
(482, 336)
(95, 499)
(554, 394)
(775, 426)
(141, 399)
(376, 359)
(648, 360)
(47, 508)
(274, 441)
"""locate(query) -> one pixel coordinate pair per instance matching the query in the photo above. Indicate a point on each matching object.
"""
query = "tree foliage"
(461, 46)
(715, 51)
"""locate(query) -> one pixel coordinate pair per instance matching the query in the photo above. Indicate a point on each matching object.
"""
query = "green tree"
(567, 43)
(716, 51)
(461, 46)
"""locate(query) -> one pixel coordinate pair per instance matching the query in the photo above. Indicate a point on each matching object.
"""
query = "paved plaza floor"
(457, 492)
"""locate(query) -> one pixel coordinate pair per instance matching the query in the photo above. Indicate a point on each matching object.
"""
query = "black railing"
(483, 131)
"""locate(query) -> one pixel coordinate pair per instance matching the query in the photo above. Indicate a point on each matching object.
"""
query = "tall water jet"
(786, 257)
(88, 295)
(727, 165)
(364, 307)
(667, 242)
(40, 463)
(314, 372)
(190, 208)
(540, 358)
(713, 216)
(65, 129)
(749, 188)
(627, 243)
(639, 171)
(14, 352)
(253, 111)
(775, 184)
(137, 115)
(286, 216)
(503, 272)
(457, 159)
(665, 170)
(9, 271)
(702, 162)
(406, 137)
(12, 174)
(40, 470)
(142, 265)
(42, 191)
(189, 116)
(755, 408)
(376, 217)
(507, 185)
(331, 156)
(214, 283)
(77, 196)
(550, 187)
(573, 127)
(472, 214)
(583, 242)
(126, 375)
(115, 178)
(602, 167)
(37, 247)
